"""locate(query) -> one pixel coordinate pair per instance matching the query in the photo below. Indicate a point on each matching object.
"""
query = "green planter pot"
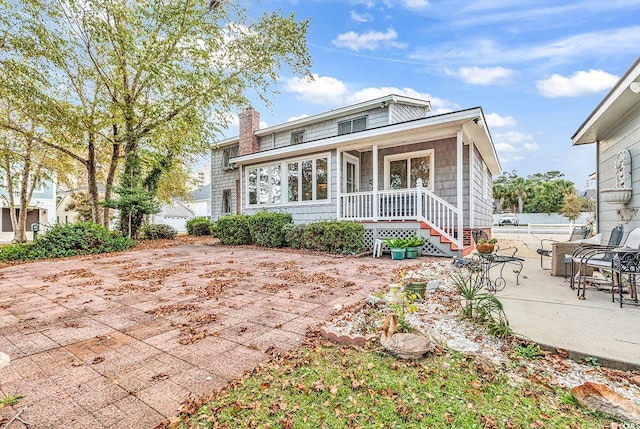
(398, 253)
(416, 288)
(412, 252)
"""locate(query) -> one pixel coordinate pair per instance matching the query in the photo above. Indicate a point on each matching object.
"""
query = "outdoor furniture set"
(612, 265)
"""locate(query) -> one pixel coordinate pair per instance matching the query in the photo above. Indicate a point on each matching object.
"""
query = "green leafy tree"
(140, 87)
(571, 207)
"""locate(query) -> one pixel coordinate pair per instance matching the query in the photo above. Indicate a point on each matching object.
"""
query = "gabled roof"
(613, 108)
(331, 114)
(176, 209)
(471, 121)
(202, 193)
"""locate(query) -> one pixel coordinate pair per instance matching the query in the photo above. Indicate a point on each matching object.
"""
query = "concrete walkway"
(546, 310)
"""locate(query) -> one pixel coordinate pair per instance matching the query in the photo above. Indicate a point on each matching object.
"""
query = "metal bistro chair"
(577, 233)
(498, 258)
(599, 258)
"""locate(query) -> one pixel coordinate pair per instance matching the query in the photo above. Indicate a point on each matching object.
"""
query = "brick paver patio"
(121, 340)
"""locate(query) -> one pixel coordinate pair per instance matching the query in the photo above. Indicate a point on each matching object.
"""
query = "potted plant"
(414, 243)
(398, 247)
(486, 245)
(415, 284)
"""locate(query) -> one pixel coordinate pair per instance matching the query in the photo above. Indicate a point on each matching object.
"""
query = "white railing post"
(419, 197)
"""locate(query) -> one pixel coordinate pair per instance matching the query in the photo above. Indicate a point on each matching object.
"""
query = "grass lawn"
(326, 386)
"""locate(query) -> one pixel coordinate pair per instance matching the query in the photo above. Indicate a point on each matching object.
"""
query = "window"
(227, 154)
(352, 125)
(307, 180)
(297, 137)
(402, 171)
(226, 201)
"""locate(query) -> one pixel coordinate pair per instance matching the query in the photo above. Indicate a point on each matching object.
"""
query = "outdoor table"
(625, 262)
(486, 261)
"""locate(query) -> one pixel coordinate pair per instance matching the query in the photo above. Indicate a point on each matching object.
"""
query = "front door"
(351, 176)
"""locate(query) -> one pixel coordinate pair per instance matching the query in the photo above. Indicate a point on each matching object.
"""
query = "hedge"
(200, 225)
(334, 236)
(158, 231)
(233, 229)
(68, 240)
(266, 228)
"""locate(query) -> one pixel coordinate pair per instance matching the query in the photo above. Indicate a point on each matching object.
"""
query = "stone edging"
(346, 340)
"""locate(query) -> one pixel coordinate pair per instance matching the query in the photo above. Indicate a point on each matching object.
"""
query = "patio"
(121, 340)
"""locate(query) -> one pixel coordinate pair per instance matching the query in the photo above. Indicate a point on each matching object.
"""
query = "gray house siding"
(402, 113)
(377, 117)
(303, 212)
(626, 136)
(222, 179)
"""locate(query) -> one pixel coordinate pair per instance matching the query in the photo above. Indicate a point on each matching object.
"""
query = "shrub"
(155, 232)
(202, 228)
(191, 224)
(68, 240)
(266, 228)
(334, 237)
(234, 230)
(293, 235)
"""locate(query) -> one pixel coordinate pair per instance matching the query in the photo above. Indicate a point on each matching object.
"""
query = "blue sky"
(537, 68)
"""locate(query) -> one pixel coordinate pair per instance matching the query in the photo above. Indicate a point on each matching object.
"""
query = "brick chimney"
(249, 123)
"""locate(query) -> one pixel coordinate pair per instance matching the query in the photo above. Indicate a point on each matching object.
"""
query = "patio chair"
(500, 256)
(546, 244)
(599, 258)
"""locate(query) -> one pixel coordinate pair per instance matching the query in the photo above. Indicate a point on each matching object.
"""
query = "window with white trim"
(401, 171)
(227, 154)
(297, 137)
(352, 125)
(307, 180)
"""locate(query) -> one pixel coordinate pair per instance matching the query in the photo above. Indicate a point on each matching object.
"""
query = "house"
(614, 128)
(388, 163)
(175, 214)
(41, 210)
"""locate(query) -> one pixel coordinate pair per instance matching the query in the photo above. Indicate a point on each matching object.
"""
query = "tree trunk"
(111, 176)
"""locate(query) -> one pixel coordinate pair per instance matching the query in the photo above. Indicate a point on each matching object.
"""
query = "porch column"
(338, 184)
(374, 181)
(459, 200)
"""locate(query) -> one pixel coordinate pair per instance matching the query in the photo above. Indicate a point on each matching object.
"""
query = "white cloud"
(483, 75)
(415, 4)
(514, 142)
(361, 17)
(586, 45)
(370, 40)
(321, 90)
(494, 120)
(576, 85)
(295, 118)
(263, 125)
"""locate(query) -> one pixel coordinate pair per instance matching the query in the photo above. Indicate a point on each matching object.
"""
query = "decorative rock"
(404, 345)
(432, 286)
(337, 307)
(373, 300)
(4, 359)
(463, 345)
(601, 398)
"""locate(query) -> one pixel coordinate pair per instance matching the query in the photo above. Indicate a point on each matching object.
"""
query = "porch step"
(466, 249)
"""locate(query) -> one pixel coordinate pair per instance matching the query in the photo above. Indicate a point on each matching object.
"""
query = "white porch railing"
(403, 204)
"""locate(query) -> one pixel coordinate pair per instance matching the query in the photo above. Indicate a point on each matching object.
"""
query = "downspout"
(459, 199)
(598, 185)
(472, 194)
(374, 182)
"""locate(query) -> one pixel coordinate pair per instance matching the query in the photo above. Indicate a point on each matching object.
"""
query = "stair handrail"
(444, 221)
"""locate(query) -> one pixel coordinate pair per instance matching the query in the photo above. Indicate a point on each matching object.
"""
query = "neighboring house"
(614, 128)
(388, 163)
(41, 210)
(201, 201)
(175, 214)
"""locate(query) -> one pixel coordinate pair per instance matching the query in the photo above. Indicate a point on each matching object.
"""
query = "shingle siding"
(624, 137)
(403, 113)
(221, 179)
